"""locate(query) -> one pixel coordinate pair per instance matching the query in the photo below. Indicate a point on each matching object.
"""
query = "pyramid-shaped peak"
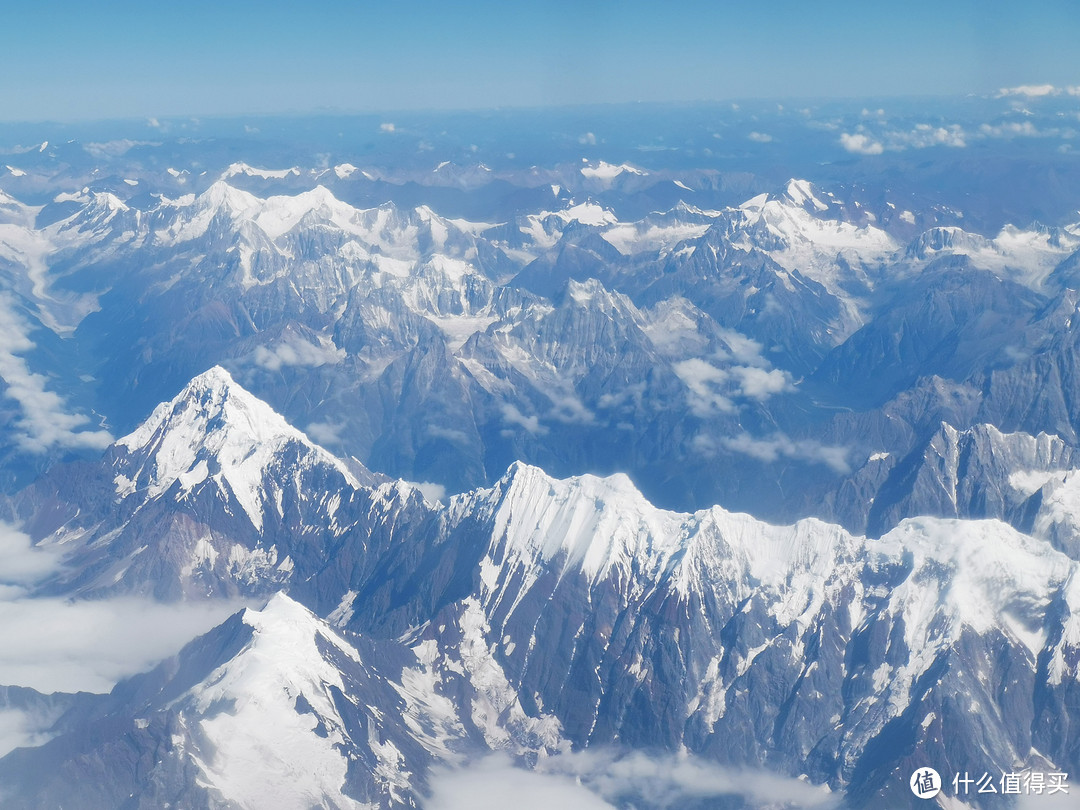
(214, 377)
(221, 196)
(212, 408)
(216, 390)
(212, 428)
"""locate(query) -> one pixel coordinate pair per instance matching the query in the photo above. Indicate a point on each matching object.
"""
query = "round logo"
(925, 783)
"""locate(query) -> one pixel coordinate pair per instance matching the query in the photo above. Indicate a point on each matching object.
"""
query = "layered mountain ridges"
(532, 616)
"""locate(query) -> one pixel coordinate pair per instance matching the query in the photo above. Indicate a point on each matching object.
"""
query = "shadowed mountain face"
(696, 465)
(715, 355)
(533, 617)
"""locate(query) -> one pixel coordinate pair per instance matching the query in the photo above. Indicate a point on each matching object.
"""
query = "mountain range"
(663, 476)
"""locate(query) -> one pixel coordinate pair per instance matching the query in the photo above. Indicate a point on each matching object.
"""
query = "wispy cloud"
(531, 424)
(21, 562)
(59, 645)
(116, 148)
(295, 351)
(567, 408)
(879, 138)
(45, 420)
(599, 780)
(759, 383)
(19, 729)
(1024, 129)
(70, 645)
(777, 446)
(704, 383)
(1037, 91)
(494, 783)
(712, 390)
(327, 434)
(432, 492)
(920, 136)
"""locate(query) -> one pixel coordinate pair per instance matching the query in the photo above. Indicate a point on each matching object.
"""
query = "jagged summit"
(212, 428)
(590, 523)
(272, 708)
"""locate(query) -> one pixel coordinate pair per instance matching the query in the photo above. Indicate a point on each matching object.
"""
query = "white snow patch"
(267, 174)
(263, 751)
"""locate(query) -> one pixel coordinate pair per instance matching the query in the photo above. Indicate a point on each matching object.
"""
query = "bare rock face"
(533, 617)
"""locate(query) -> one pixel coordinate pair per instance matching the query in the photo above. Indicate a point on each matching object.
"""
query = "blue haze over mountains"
(701, 441)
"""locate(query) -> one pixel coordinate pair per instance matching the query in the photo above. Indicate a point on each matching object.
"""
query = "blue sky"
(67, 60)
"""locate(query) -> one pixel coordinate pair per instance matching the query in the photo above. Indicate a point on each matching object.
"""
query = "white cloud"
(21, 562)
(19, 729)
(778, 446)
(295, 351)
(450, 434)
(920, 136)
(860, 144)
(760, 137)
(1043, 801)
(432, 492)
(704, 382)
(45, 421)
(567, 408)
(387, 127)
(59, 645)
(1024, 129)
(1009, 129)
(711, 389)
(759, 383)
(1031, 90)
(600, 780)
(494, 783)
(925, 135)
(52, 644)
(324, 433)
(630, 396)
(669, 781)
(588, 139)
(743, 349)
(531, 424)
(115, 148)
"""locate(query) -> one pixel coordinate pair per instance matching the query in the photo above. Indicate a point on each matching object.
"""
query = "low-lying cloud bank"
(61, 645)
(600, 780)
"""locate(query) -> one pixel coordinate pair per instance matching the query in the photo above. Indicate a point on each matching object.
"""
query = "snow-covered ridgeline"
(213, 429)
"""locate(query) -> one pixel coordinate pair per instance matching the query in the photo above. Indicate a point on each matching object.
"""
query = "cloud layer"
(599, 780)
(45, 421)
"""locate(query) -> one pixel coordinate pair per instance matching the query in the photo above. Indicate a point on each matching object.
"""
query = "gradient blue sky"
(118, 58)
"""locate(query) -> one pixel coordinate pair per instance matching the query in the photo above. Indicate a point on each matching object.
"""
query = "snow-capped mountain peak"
(284, 666)
(591, 524)
(804, 194)
(213, 428)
